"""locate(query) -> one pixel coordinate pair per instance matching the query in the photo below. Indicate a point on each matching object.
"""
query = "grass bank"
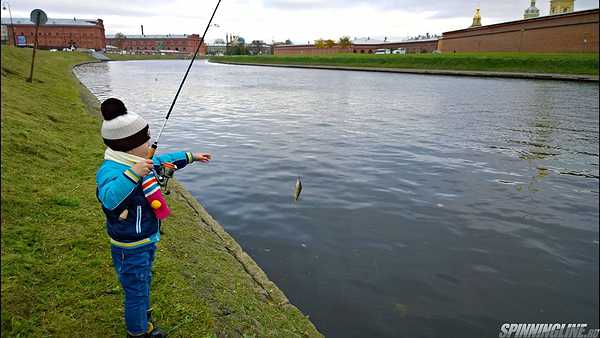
(57, 275)
(128, 57)
(576, 64)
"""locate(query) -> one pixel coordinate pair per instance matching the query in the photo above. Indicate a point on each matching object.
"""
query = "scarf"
(122, 157)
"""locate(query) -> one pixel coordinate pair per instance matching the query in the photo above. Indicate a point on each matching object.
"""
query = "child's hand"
(202, 157)
(142, 168)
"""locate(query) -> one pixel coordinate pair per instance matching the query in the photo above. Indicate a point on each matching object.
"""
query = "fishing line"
(152, 149)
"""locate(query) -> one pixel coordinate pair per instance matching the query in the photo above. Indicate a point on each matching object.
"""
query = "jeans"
(134, 269)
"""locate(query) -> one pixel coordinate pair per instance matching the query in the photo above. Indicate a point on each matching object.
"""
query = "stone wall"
(411, 47)
(575, 32)
(419, 46)
(307, 50)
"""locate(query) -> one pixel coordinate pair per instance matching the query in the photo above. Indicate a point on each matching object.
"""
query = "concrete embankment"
(57, 274)
(513, 75)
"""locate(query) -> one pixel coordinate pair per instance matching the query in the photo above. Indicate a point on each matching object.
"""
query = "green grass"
(580, 64)
(128, 57)
(57, 274)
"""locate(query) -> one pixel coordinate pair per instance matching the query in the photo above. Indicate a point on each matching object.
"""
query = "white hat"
(122, 131)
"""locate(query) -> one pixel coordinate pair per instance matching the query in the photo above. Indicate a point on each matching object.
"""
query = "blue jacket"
(119, 189)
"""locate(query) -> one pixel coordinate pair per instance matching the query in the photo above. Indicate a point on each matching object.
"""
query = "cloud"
(89, 9)
(299, 20)
(445, 9)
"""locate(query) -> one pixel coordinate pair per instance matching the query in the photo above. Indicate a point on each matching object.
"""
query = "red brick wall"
(148, 45)
(56, 36)
(307, 50)
(575, 32)
(410, 46)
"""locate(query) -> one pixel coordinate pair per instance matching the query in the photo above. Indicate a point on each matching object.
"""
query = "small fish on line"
(298, 189)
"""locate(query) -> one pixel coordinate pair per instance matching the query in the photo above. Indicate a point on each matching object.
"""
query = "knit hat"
(122, 131)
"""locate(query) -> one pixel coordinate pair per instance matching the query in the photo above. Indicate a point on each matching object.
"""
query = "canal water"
(433, 206)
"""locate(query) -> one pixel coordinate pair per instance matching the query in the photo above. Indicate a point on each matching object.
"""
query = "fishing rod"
(152, 149)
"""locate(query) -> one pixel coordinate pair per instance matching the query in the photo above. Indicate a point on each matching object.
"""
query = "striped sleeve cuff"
(189, 156)
(131, 175)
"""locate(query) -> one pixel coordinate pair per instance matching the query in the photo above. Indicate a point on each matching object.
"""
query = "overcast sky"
(299, 20)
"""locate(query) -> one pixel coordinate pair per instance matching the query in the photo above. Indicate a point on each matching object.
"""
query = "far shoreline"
(443, 72)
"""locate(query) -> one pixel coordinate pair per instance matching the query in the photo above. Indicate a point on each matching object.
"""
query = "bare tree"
(119, 40)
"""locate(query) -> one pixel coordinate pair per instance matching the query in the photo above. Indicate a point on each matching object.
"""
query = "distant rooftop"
(145, 36)
(51, 21)
(367, 41)
(381, 42)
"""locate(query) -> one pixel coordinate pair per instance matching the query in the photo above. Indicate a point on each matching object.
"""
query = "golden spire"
(561, 6)
(476, 18)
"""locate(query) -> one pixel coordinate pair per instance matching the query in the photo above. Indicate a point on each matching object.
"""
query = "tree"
(237, 50)
(288, 42)
(320, 43)
(119, 40)
(329, 43)
(345, 42)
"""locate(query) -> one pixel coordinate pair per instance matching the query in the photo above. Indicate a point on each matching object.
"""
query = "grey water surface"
(432, 206)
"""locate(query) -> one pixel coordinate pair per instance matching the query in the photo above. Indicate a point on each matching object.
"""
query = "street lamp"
(6, 5)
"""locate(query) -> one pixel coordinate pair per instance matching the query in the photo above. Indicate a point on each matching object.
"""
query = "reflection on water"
(430, 204)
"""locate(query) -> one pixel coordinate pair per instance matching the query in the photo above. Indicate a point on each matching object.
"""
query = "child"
(131, 222)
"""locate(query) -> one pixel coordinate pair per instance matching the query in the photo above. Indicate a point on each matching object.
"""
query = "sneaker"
(155, 332)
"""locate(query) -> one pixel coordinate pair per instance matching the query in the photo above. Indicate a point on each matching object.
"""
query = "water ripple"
(429, 205)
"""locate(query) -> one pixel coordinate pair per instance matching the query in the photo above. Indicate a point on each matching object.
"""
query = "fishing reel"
(163, 174)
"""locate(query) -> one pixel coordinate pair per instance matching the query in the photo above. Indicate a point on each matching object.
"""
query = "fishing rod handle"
(151, 151)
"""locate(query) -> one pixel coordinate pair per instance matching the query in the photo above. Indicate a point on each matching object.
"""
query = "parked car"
(399, 51)
(54, 50)
(382, 51)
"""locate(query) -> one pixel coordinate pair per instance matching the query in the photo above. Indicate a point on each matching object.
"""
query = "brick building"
(57, 33)
(575, 32)
(363, 47)
(150, 44)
